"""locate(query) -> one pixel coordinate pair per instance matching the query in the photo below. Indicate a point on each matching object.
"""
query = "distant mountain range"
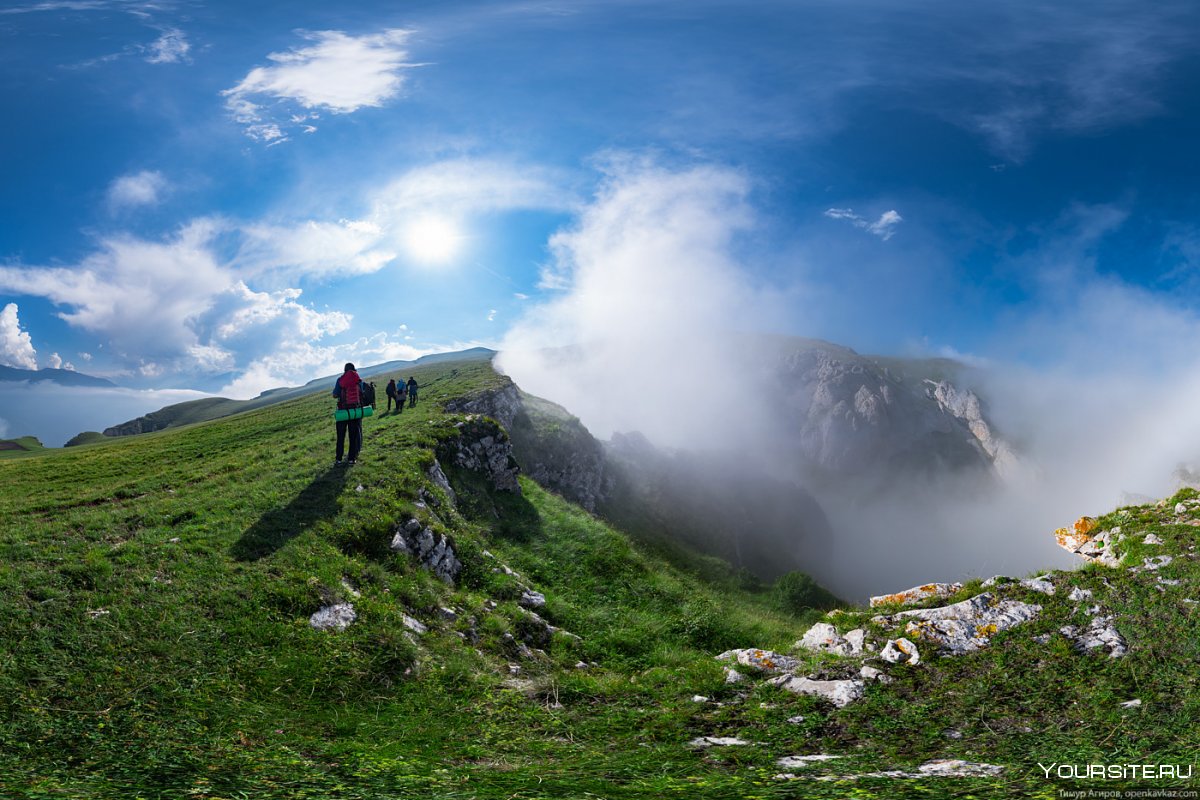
(63, 377)
(215, 407)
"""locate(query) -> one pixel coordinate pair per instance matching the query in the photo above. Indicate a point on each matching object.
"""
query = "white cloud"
(650, 291)
(345, 247)
(884, 227)
(16, 346)
(85, 356)
(475, 185)
(55, 361)
(491, 317)
(139, 189)
(170, 48)
(297, 363)
(172, 306)
(336, 73)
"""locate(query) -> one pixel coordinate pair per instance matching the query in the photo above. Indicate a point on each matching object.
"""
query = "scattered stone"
(414, 625)
(900, 651)
(952, 733)
(359, 488)
(174, 540)
(448, 614)
(1131, 703)
(796, 720)
(98, 613)
(582, 665)
(1042, 638)
(349, 587)
(1151, 539)
(336, 617)
(699, 698)
(874, 674)
(996, 580)
(764, 660)
(532, 599)
(514, 669)
(1078, 595)
(799, 762)
(1155, 562)
(1039, 584)
(964, 626)
(1168, 581)
(1180, 508)
(717, 741)
(840, 693)
(1098, 635)
(857, 639)
(956, 768)
(916, 594)
(733, 676)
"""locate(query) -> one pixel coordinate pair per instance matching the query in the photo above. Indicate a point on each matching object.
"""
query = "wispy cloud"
(139, 189)
(336, 73)
(16, 346)
(884, 227)
(171, 47)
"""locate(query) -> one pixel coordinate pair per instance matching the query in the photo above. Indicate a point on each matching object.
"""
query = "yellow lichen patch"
(1084, 525)
(1070, 540)
(984, 631)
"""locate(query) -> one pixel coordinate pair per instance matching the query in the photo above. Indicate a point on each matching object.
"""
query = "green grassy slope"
(155, 594)
(154, 603)
(23, 446)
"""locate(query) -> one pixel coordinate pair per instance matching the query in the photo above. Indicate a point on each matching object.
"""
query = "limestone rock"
(1155, 562)
(733, 676)
(532, 599)
(1079, 539)
(440, 480)
(764, 660)
(840, 693)
(1078, 595)
(798, 762)
(874, 674)
(414, 625)
(916, 594)
(1180, 508)
(717, 741)
(964, 626)
(432, 550)
(900, 651)
(824, 638)
(1100, 634)
(336, 617)
(1151, 539)
(956, 768)
(483, 447)
(1040, 584)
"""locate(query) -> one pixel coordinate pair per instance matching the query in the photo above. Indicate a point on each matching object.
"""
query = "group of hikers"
(354, 395)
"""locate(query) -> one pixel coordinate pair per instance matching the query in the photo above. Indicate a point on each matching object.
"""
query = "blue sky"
(229, 197)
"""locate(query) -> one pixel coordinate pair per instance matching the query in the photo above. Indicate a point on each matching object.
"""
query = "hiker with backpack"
(412, 392)
(392, 397)
(348, 389)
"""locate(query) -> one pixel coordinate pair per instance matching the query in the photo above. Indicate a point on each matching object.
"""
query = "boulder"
(336, 617)
(432, 550)
(840, 693)
(1079, 539)
(824, 638)
(764, 660)
(916, 594)
(964, 626)
(1100, 634)
(900, 651)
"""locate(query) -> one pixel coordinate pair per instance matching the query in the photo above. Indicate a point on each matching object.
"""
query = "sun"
(433, 239)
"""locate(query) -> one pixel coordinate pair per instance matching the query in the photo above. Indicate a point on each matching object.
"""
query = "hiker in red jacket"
(348, 390)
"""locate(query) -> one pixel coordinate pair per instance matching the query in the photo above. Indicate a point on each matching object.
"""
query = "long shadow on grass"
(318, 501)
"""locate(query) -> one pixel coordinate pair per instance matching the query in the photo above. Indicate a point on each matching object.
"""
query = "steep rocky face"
(552, 446)
(849, 414)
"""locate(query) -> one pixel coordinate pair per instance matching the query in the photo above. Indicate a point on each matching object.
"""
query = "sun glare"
(432, 239)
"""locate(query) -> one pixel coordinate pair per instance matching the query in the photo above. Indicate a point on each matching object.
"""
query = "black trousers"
(355, 428)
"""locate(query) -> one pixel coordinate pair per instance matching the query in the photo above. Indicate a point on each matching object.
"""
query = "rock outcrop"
(965, 626)
(430, 549)
(482, 446)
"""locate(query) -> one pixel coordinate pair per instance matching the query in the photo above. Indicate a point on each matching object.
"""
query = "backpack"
(351, 396)
(368, 394)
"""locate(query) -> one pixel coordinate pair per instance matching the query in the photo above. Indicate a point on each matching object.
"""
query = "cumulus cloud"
(172, 305)
(55, 362)
(884, 227)
(336, 73)
(139, 189)
(16, 346)
(650, 289)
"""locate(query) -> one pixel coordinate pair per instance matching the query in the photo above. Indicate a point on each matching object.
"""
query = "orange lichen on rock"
(916, 594)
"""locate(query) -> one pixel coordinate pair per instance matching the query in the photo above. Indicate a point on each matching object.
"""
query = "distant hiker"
(391, 395)
(348, 389)
(412, 392)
